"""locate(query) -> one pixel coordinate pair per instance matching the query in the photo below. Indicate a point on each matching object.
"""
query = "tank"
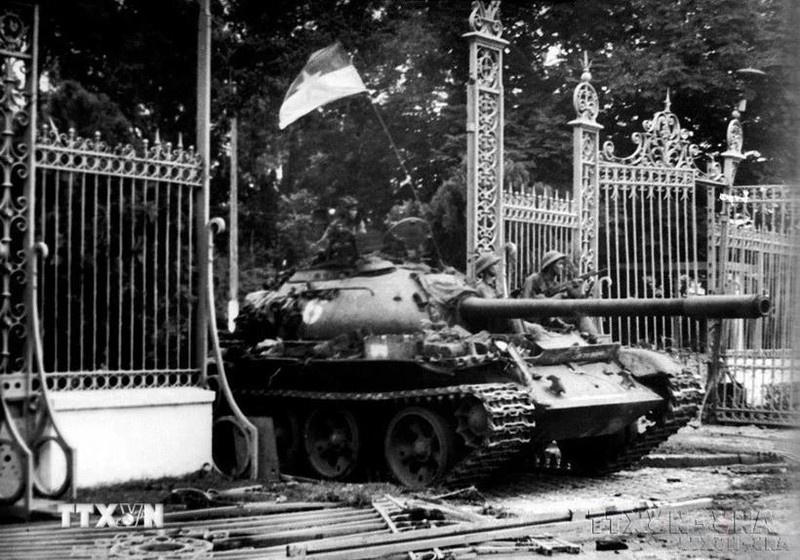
(398, 370)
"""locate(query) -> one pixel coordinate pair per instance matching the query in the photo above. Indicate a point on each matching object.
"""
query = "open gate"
(28, 429)
(105, 265)
(654, 220)
(759, 381)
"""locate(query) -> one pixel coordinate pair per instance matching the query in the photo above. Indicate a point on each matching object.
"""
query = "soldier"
(486, 276)
(486, 286)
(338, 243)
(549, 278)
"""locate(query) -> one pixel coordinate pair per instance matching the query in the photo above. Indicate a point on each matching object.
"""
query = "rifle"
(573, 281)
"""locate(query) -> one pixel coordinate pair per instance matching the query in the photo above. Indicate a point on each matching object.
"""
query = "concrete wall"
(122, 435)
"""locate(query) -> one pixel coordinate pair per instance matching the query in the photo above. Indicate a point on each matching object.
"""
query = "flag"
(327, 76)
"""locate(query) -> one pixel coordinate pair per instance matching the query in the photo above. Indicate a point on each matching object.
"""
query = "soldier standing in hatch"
(550, 276)
(338, 243)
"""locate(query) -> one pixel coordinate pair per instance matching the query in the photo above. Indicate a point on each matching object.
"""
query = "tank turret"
(387, 368)
(380, 297)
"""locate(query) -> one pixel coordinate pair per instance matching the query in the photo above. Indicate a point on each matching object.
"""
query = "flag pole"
(402, 162)
(407, 179)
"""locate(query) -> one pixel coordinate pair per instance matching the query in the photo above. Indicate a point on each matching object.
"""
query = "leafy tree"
(412, 56)
(86, 113)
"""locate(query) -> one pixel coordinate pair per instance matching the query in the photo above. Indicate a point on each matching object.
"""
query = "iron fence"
(649, 243)
(760, 381)
(536, 223)
(118, 294)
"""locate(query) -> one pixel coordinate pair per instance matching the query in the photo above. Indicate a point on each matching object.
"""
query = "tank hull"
(382, 370)
(593, 399)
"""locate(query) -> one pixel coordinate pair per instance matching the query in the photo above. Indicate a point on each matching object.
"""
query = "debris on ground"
(611, 543)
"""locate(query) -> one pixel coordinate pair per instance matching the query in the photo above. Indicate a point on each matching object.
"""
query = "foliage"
(86, 113)
(413, 58)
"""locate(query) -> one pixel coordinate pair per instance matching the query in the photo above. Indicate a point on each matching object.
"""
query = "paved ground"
(752, 514)
(736, 488)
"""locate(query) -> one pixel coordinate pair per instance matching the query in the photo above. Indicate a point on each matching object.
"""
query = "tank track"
(508, 406)
(685, 397)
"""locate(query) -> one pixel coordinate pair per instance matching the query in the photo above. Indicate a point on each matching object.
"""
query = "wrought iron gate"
(654, 220)
(760, 380)
(105, 265)
(119, 292)
(28, 429)
(534, 223)
(652, 212)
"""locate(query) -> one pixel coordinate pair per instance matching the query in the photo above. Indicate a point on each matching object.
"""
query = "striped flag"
(327, 76)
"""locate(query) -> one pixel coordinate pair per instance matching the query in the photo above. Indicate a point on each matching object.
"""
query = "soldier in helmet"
(338, 243)
(486, 286)
(486, 276)
(551, 276)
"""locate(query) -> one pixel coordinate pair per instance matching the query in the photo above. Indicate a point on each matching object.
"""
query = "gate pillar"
(29, 432)
(585, 187)
(731, 159)
(485, 135)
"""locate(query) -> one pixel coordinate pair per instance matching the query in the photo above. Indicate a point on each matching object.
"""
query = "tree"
(141, 56)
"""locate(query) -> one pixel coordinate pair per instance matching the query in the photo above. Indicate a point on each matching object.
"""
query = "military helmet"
(348, 202)
(551, 257)
(484, 261)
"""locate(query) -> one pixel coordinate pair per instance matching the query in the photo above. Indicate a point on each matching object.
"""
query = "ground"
(750, 514)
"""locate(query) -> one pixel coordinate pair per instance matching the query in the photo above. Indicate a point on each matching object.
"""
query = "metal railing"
(760, 381)
(536, 223)
(118, 295)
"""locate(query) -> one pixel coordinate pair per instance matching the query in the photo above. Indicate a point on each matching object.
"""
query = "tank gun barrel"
(697, 307)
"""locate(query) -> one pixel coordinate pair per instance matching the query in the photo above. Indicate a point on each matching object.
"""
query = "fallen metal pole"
(364, 547)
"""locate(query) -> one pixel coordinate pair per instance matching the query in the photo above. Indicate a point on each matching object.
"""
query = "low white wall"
(131, 434)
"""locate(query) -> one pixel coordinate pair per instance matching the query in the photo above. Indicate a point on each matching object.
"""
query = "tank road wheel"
(288, 440)
(419, 447)
(332, 443)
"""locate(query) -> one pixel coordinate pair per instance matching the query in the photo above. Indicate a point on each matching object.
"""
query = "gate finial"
(486, 19)
(584, 98)
(667, 103)
(586, 76)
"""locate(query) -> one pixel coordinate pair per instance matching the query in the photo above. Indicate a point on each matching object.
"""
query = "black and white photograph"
(405, 280)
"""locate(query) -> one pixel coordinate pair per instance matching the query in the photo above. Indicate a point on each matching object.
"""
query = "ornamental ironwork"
(586, 139)
(119, 294)
(157, 162)
(761, 236)
(15, 33)
(485, 130)
(488, 159)
(29, 431)
(15, 108)
(584, 98)
(588, 200)
(664, 143)
(486, 19)
(735, 135)
(488, 68)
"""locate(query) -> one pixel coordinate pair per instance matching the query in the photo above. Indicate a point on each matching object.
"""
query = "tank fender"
(642, 362)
